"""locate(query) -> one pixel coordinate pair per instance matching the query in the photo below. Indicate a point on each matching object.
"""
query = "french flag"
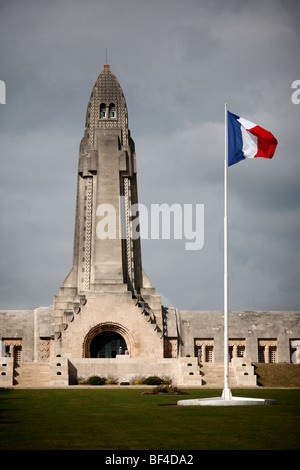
(248, 140)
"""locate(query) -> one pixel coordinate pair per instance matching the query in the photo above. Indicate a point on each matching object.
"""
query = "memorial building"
(107, 319)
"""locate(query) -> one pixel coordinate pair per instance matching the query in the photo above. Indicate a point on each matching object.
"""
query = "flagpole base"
(226, 400)
(226, 394)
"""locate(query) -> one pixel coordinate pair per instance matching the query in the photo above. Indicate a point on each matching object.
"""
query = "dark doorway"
(107, 344)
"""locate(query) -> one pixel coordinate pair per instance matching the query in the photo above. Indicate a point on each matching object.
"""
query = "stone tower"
(106, 289)
(104, 252)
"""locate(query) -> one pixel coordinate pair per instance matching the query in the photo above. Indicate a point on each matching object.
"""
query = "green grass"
(114, 419)
(278, 375)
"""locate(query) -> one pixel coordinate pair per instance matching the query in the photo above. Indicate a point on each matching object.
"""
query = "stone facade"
(107, 302)
(247, 331)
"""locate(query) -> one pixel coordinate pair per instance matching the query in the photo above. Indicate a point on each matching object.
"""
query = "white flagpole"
(227, 398)
(226, 391)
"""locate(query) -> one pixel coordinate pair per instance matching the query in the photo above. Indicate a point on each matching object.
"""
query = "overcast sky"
(178, 62)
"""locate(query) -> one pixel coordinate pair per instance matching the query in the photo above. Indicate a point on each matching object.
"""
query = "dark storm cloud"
(178, 63)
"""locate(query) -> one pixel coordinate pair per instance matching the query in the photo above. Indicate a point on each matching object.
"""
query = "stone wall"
(6, 371)
(249, 325)
(34, 330)
(30, 327)
(123, 367)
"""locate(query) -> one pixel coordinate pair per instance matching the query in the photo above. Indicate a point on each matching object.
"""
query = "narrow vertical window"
(102, 110)
(112, 111)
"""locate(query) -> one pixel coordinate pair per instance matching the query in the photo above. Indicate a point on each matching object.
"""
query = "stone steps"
(30, 374)
(152, 313)
(209, 374)
(189, 371)
(213, 375)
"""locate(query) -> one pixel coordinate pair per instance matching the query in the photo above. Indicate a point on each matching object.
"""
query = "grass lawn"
(114, 419)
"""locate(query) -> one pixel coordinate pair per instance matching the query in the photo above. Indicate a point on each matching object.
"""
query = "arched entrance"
(103, 338)
(107, 344)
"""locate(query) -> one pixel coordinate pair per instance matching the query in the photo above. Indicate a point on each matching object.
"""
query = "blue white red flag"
(248, 140)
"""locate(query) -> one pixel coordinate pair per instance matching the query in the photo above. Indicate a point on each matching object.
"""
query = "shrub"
(138, 382)
(165, 390)
(153, 380)
(96, 380)
(110, 382)
(166, 381)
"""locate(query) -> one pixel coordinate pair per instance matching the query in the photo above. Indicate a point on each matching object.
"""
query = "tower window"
(112, 111)
(102, 110)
